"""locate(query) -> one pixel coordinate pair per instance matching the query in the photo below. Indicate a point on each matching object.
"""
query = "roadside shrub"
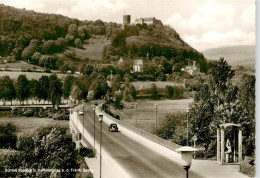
(173, 127)
(61, 115)
(25, 142)
(8, 136)
(49, 148)
(87, 152)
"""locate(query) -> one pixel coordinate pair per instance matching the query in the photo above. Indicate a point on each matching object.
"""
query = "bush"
(49, 148)
(8, 136)
(61, 115)
(87, 152)
(25, 142)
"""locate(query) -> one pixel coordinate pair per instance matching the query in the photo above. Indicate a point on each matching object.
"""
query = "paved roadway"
(139, 160)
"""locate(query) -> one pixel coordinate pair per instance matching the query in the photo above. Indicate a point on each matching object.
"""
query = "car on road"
(80, 112)
(113, 127)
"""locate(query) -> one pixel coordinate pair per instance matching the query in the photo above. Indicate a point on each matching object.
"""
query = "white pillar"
(222, 146)
(218, 146)
(240, 146)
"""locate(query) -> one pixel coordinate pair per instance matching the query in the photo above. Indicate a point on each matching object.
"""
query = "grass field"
(146, 111)
(19, 65)
(32, 123)
(139, 85)
(29, 75)
(93, 50)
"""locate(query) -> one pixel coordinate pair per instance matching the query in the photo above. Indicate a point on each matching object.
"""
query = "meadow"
(94, 49)
(18, 65)
(140, 85)
(146, 113)
(29, 75)
(30, 124)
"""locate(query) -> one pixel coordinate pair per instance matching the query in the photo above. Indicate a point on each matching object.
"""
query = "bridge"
(132, 152)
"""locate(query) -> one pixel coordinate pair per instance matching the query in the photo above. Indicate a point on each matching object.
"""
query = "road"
(138, 159)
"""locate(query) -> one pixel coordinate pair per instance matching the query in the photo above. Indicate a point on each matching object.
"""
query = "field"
(18, 65)
(32, 123)
(159, 84)
(29, 75)
(146, 111)
(93, 50)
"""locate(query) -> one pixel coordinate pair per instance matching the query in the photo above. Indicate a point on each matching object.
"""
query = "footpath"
(111, 169)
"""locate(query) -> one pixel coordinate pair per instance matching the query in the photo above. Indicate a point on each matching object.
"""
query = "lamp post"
(136, 114)
(155, 105)
(186, 157)
(83, 119)
(100, 120)
(187, 110)
(94, 109)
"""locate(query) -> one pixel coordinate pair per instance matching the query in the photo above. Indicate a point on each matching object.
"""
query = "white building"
(148, 21)
(191, 69)
(138, 65)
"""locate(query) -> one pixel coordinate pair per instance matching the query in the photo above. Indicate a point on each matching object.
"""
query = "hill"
(62, 43)
(234, 55)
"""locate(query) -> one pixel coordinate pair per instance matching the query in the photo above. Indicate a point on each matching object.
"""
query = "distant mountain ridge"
(234, 55)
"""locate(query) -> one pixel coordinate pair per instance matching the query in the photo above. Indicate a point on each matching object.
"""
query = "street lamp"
(100, 120)
(187, 110)
(136, 114)
(94, 109)
(155, 105)
(186, 157)
(83, 119)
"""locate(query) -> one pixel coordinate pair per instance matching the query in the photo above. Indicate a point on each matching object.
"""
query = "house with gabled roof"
(121, 61)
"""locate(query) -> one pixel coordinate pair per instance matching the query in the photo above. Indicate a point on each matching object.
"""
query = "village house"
(138, 65)
(191, 69)
(121, 61)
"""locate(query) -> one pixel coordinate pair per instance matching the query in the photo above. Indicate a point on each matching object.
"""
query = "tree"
(7, 90)
(55, 90)
(68, 82)
(173, 126)
(246, 96)
(154, 92)
(30, 50)
(48, 148)
(34, 89)
(21, 88)
(215, 103)
(78, 43)
(44, 87)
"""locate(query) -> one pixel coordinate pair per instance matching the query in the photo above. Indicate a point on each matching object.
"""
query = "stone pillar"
(240, 146)
(222, 146)
(218, 146)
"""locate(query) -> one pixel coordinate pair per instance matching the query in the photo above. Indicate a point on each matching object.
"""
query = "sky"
(203, 24)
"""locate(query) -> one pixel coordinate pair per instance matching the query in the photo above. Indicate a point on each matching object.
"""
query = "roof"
(138, 62)
(149, 18)
(121, 59)
(229, 124)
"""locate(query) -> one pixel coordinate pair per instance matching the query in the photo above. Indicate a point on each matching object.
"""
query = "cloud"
(81, 9)
(216, 23)
(248, 15)
(215, 39)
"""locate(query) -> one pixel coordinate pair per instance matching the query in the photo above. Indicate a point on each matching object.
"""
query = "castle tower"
(126, 19)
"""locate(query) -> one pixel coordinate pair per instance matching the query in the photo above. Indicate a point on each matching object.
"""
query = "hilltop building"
(148, 21)
(191, 69)
(138, 65)
(126, 19)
